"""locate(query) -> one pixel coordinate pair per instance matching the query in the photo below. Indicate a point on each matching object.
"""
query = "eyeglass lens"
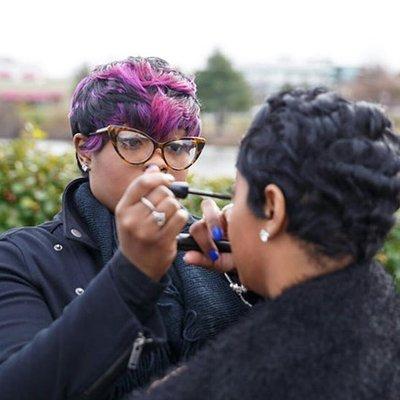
(137, 148)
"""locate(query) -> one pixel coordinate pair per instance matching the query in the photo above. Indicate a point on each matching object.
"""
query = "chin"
(242, 275)
(248, 277)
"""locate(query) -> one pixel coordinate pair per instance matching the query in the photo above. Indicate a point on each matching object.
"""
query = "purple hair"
(143, 93)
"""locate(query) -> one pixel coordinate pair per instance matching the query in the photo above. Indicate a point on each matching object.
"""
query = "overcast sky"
(60, 35)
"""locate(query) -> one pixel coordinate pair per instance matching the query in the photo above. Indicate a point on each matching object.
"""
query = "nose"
(158, 160)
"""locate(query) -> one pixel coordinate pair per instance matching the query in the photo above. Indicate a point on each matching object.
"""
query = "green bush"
(216, 185)
(390, 254)
(32, 182)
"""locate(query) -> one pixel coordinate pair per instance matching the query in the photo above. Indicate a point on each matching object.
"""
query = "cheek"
(110, 176)
(243, 238)
(239, 237)
(179, 176)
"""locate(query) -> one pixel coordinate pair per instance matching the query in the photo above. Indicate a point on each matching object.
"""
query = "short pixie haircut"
(337, 163)
(142, 93)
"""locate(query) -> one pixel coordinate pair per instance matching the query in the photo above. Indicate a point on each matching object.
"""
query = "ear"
(275, 209)
(82, 156)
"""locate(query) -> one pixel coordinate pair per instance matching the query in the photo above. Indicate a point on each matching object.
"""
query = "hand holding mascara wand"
(185, 241)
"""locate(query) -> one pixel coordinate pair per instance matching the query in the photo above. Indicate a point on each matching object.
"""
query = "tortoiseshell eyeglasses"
(136, 147)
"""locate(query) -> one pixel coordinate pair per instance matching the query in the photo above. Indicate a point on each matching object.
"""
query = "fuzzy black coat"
(334, 337)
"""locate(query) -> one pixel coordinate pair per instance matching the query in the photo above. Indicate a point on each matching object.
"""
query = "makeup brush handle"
(179, 189)
(186, 243)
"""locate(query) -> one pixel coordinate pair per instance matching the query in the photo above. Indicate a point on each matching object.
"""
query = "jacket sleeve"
(79, 354)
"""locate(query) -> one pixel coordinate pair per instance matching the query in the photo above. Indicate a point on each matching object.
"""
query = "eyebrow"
(177, 136)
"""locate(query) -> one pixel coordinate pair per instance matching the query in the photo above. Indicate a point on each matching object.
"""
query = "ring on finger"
(159, 217)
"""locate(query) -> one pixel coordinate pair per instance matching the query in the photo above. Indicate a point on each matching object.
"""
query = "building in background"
(269, 78)
(26, 84)
(28, 98)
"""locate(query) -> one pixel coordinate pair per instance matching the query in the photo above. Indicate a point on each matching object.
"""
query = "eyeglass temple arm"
(98, 132)
(181, 190)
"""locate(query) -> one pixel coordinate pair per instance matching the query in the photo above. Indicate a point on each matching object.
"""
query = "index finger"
(143, 185)
(212, 216)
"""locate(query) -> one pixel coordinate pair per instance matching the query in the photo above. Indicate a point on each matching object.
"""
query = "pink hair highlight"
(94, 143)
(145, 94)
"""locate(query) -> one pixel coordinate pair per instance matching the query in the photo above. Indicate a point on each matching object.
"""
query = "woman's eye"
(132, 143)
(178, 148)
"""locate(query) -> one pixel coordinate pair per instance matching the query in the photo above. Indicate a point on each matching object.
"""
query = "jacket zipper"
(137, 349)
(133, 358)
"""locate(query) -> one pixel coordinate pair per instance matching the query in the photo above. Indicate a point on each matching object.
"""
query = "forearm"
(86, 348)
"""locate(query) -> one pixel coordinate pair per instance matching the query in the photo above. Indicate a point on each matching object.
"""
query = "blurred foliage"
(11, 121)
(34, 113)
(220, 86)
(217, 185)
(374, 83)
(222, 89)
(52, 118)
(237, 124)
(390, 254)
(82, 72)
(31, 182)
(33, 131)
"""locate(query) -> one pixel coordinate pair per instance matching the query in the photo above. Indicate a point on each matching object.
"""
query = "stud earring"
(85, 168)
(264, 235)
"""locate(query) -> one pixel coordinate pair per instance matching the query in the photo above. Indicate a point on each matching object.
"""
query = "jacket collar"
(73, 226)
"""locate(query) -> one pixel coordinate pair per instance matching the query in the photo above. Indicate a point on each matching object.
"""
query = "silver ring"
(159, 217)
(148, 203)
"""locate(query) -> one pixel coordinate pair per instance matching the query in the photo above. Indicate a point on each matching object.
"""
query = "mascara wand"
(181, 190)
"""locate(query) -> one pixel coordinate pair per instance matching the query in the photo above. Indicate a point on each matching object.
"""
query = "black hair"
(337, 163)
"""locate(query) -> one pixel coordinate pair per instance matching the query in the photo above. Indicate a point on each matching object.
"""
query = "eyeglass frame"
(113, 131)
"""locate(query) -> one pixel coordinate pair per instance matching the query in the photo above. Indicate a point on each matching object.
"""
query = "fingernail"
(170, 177)
(184, 213)
(217, 233)
(184, 259)
(152, 168)
(213, 254)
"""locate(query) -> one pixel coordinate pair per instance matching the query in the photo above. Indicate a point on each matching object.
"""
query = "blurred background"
(239, 52)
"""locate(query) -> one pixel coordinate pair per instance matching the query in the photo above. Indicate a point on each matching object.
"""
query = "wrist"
(138, 290)
(145, 268)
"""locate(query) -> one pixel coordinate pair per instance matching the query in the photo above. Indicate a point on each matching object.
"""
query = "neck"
(288, 263)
